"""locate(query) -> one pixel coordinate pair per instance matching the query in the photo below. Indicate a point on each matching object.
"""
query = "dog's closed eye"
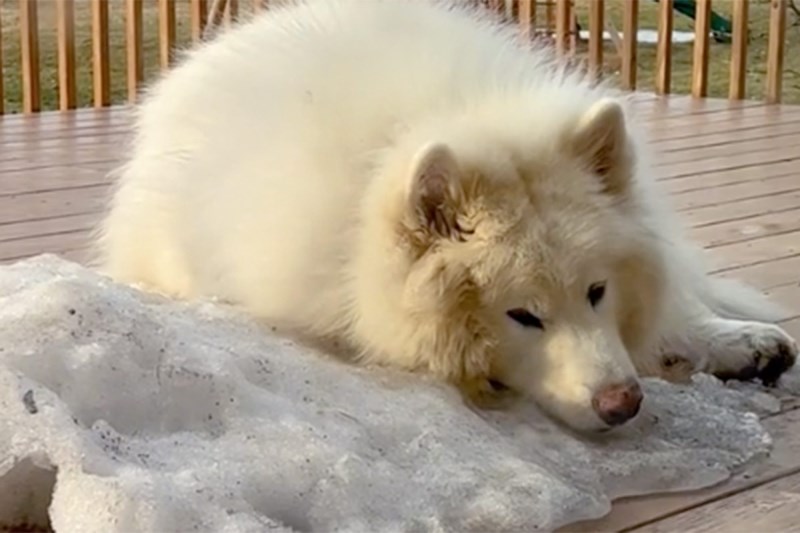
(525, 318)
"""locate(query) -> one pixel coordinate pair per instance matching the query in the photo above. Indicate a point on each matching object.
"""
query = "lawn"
(648, 18)
(719, 53)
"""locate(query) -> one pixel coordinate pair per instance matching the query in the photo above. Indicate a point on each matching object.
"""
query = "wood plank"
(15, 231)
(726, 177)
(769, 507)
(752, 228)
(722, 138)
(19, 182)
(735, 192)
(787, 296)
(765, 249)
(738, 146)
(778, 273)
(76, 201)
(741, 210)
(14, 250)
(725, 115)
(776, 154)
(59, 156)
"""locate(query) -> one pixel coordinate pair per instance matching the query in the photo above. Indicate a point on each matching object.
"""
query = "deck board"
(731, 169)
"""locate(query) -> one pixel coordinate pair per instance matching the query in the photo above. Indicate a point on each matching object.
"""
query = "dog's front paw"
(753, 351)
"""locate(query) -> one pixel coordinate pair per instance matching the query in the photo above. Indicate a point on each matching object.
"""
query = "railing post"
(133, 47)
(739, 51)
(166, 32)
(100, 53)
(630, 29)
(29, 48)
(2, 91)
(67, 94)
(199, 15)
(527, 10)
(701, 42)
(775, 50)
(664, 51)
(564, 26)
(596, 28)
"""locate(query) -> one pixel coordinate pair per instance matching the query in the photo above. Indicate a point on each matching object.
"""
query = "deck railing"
(65, 53)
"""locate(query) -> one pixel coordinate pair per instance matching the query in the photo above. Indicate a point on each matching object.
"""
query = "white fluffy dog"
(405, 178)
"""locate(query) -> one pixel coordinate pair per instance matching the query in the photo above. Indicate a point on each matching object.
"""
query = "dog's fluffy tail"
(733, 299)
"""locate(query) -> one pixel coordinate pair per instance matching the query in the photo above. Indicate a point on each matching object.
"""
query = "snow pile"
(123, 412)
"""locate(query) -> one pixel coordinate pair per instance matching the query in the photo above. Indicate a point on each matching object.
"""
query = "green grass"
(719, 53)
(48, 65)
(648, 18)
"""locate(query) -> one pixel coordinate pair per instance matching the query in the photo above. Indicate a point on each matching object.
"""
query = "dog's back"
(253, 155)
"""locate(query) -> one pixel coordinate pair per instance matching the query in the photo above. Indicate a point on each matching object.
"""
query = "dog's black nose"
(616, 404)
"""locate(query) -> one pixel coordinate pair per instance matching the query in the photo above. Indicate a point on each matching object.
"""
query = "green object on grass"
(720, 26)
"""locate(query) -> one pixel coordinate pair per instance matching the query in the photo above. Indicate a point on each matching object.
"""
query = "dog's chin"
(587, 427)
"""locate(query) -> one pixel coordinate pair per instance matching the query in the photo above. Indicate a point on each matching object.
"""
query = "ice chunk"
(123, 412)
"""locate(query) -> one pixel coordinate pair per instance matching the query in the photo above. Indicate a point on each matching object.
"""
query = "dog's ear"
(435, 193)
(601, 139)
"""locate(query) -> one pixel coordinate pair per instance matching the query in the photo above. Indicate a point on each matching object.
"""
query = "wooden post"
(199, 15)
(596, 29)
(100, 54)
(67, 93)
(563, 26)
(526, 18)
(775, 51)
(630, 29)
(701, 44)
(29, 47)
(737, 88)
(133, 47)
(166, 32)
(664, 51)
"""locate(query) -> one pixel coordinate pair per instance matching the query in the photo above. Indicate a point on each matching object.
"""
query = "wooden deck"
(733, 170)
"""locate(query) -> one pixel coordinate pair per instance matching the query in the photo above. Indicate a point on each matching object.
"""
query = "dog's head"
(525, 267)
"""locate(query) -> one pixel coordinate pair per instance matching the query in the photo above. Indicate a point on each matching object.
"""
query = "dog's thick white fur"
(406, 178)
